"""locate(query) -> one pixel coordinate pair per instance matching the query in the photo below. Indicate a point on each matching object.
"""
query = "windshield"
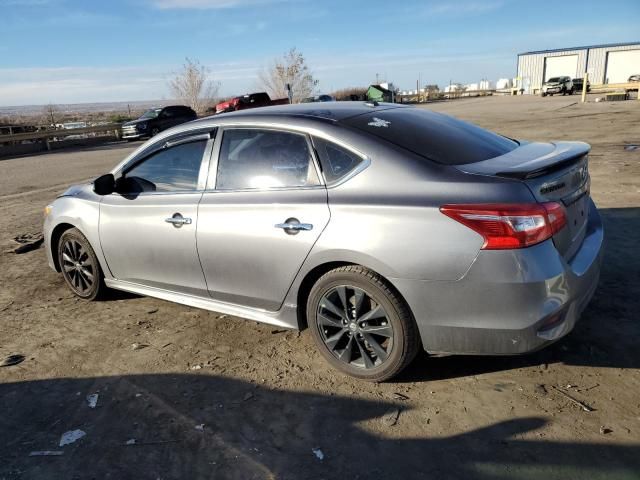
(554, 79)
(434, 136)
(153, 113)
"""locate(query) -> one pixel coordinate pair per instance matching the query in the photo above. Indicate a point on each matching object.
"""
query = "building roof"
(586, 47)
(381, 88)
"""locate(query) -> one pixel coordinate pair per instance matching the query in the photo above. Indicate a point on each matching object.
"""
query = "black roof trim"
(586, 47)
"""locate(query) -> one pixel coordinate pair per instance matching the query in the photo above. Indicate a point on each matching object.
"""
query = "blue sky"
(69, 51)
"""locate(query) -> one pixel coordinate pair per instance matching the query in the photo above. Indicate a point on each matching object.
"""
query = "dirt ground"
(211, 396)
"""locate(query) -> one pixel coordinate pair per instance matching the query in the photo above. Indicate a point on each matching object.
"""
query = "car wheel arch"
(313, 275)
(55, 238)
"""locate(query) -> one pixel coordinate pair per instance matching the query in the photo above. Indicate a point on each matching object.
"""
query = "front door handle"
(177, 220)
(292, 226)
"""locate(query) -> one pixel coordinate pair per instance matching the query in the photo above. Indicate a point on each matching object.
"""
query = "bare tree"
(50, 112)
(290, 69)
(193, 85)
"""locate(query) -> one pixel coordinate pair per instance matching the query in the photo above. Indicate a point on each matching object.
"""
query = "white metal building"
(612, 63)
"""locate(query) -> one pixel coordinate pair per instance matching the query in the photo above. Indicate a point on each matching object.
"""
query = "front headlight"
(47, 210)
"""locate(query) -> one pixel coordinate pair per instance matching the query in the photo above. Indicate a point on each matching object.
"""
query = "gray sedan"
(383, 229)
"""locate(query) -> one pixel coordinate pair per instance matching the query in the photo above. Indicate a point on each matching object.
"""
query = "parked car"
(634, 78)
(384, 229)
(250, 100)
(578, 84)
(561, 85)
(319, 98)
(155, 120)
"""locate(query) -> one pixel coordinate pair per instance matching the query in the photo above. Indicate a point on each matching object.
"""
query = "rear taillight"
(505, 225)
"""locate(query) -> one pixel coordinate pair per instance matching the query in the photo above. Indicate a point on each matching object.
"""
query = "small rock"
(318, 453)
(92, 400)
(138, 346)
(220, 317)
(70, 437)
(400, 396)
(154, 310)
(196, 367)
(604, 430)
(540, 389)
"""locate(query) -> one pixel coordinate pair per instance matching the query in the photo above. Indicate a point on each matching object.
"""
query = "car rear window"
(435, 136)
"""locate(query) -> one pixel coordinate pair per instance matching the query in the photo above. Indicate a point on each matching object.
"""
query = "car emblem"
(378, 122)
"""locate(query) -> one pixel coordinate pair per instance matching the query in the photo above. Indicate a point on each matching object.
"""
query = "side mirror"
(105, 184)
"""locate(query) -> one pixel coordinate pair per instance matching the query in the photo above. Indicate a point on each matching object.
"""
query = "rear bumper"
(510, 301)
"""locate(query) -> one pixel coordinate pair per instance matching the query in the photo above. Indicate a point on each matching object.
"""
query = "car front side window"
(261, 159)
(172, 169)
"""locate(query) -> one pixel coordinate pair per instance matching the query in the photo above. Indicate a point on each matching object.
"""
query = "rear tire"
(361, 325)
(79, 265)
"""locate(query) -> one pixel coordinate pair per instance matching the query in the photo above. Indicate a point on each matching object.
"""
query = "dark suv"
(155, 120)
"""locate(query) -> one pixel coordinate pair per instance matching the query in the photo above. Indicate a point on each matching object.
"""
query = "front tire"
(79, 265)
(155, 131)
(361, 325)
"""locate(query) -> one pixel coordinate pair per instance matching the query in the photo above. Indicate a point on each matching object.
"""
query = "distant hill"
(84, 108)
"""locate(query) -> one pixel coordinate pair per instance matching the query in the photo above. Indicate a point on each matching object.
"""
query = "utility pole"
(377, 80)
(584, 86)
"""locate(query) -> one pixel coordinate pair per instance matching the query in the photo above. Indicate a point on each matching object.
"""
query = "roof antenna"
(372, 104)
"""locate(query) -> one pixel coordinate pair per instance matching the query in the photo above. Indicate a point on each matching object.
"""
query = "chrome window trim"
(211, 186)
(220, 124)
(204, 162)
(353, 172)
(162, 139)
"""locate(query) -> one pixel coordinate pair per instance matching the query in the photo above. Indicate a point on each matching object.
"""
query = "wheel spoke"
(328, 321)
(359, 297)
(380, 352)
(342, 293)
(382, 330)
(368, 363)
(346, 354)
(329, 305)
(68, 268)
(87, 274)
(66, 257)
(376, 312)
(333, 340)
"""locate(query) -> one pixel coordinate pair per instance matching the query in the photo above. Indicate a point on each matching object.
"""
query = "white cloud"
(33, 86)
(209, 4)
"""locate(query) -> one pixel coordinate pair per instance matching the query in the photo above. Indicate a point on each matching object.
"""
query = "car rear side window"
(435, 136)
(337, 162)
(259, 159)
(173, 169)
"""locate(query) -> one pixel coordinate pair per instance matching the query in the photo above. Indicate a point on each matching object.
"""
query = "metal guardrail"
(47, 134)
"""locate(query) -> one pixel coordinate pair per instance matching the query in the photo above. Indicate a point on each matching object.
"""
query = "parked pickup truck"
(251, 100)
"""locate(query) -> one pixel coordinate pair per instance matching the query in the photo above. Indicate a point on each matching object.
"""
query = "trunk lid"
(554, 172)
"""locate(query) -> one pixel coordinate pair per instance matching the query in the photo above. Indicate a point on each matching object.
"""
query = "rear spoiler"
(530, 160)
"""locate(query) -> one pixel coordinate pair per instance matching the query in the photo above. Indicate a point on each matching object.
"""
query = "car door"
(148, 229)
(262, 212)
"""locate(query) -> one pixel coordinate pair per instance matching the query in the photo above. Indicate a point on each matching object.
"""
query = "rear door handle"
(177, 220)
(292, 226)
